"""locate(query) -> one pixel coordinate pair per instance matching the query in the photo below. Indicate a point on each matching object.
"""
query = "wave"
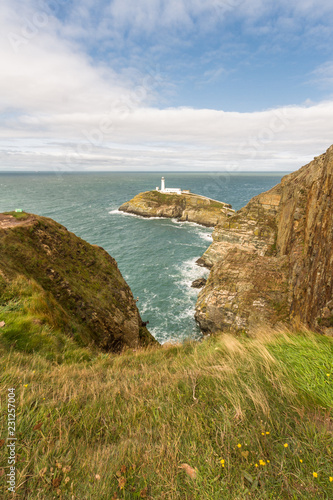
(190, 271)
(119, 212)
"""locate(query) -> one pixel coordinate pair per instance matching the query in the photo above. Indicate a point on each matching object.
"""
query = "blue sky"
(155, 85)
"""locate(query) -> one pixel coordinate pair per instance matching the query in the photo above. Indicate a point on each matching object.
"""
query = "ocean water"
(156, 256)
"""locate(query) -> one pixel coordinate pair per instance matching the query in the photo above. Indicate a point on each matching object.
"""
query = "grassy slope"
(72, 287)
(121, 426)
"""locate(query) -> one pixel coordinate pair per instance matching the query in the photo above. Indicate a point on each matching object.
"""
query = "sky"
(156, 85)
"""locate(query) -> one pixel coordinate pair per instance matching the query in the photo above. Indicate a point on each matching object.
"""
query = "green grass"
(122, 426)
(79, 283)
(18, 215)
(34, 323)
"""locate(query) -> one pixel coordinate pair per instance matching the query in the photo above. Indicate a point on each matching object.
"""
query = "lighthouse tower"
(162, 184)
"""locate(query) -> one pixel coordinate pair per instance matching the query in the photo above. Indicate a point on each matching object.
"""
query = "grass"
(251, 418)
(60, 275)
(34, 323)
(18, 215)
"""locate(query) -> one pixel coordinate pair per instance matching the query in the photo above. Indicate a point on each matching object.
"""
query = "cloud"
(63, 109)
(179, 139)
(323, 75)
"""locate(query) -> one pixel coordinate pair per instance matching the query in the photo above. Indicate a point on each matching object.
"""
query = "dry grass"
(124, 425)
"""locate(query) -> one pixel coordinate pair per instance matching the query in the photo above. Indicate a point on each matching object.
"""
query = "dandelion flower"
(222, 461)
(262, 433)
(286, 445)
(239, 445)
(301, 460)
(315, 474)
(25, 385)
(256, 465)
(328, 374)
(267, 432)
(268, 461)
(331, 479)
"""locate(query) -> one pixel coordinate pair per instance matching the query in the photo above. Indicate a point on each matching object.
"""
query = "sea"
(157, 257)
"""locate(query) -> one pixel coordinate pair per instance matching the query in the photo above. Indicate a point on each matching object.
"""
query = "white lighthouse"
(168, 190)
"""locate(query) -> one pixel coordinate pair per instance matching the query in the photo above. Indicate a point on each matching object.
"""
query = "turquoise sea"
(156, 256)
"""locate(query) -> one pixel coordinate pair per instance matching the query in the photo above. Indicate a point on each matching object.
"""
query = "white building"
(168, 190)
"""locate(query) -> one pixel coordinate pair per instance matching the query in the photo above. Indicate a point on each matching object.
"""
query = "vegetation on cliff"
(185, 207)
(61, 296)
(227, 418)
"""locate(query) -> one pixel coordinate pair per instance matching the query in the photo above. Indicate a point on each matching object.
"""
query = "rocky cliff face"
(89, 297)
(273, 260)
(185, 207)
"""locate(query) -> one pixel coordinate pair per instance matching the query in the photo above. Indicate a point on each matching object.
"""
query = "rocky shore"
(185, 207)
(272, 261)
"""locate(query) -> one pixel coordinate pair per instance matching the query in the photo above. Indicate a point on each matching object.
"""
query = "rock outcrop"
(185, 207)
(199, 283)
(89, 297)
(273, 260)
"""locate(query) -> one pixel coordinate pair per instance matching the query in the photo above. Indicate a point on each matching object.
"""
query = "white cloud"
(323, 75)
(60, 110)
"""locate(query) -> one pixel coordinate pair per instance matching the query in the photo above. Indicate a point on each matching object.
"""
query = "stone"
(276, 251)
(199, 283)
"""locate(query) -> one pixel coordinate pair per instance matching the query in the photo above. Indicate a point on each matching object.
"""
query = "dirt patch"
(7, 220)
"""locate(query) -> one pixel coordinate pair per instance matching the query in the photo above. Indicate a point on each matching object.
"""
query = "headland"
(180, 204)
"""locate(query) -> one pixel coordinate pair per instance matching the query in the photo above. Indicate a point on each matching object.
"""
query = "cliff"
(60, 285)
(272, 261)
(185, 207)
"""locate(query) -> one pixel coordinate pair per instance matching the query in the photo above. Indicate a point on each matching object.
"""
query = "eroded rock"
(272, 260)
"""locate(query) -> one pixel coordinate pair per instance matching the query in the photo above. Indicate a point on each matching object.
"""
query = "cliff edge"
(60, 283)
(272, 261)
(185, 207)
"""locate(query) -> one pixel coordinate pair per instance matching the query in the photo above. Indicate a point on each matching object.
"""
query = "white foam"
(205, 236)
(186, 222)
(189, 272)
(119, 212)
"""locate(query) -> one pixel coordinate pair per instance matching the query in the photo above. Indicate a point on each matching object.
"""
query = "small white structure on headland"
(168, 190)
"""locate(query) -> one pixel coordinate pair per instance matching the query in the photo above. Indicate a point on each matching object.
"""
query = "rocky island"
(272, 261)
(179, 204)
(62, 287)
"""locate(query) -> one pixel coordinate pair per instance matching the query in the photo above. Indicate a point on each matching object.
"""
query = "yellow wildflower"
(267, 432)
(256, 465)
(315, 474)
(222, 461)
(328, 374)
(25, 385)
(239, 445)
(268, 461)
(286, 445)
(301, 460)
(331, 479)
(262, 433)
